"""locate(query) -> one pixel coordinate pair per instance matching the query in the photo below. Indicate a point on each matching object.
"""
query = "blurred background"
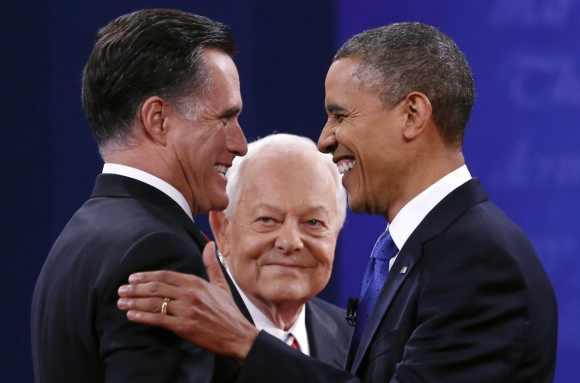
(522, 141)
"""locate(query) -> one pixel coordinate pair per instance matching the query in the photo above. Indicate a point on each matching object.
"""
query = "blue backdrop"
(522, 140)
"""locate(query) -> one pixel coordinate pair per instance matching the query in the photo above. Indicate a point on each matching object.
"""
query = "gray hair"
(404, 57)
(284, 142)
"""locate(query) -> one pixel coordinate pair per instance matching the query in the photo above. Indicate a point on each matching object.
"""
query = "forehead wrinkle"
(267, 206)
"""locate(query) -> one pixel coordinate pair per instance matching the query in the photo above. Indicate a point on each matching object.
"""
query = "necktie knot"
(384, 248)
(293, 342)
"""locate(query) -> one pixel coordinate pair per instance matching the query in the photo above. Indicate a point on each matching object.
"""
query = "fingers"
(152, 305)
(167, 322)
(150, 289)
(213, 268)
(174, 308)
(169, 277)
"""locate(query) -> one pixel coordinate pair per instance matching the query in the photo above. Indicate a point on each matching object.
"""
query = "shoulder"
(324, 306)
(127, 215)
(118, 226)
(482, 253)
(483, 234)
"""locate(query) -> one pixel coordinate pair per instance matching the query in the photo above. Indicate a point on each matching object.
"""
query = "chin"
(288, 295)
(220, 204)
(359, 204)
(355, 205)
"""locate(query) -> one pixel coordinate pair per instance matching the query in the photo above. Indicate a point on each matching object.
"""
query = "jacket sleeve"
(271, 360)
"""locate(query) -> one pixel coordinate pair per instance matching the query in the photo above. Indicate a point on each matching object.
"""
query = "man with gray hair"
(277, 241)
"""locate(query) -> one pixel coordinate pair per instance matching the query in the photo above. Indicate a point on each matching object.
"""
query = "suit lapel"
(451, 207)
(319, 334)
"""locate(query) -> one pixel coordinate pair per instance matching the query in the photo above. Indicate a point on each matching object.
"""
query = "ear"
(153, 117)
(418, 112)
(219, 224)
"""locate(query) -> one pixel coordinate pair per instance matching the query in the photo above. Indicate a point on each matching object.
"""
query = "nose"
(327, 140)
(289, 239)
(236, 140)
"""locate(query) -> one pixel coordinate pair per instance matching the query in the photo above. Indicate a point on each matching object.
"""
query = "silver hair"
(284, 142)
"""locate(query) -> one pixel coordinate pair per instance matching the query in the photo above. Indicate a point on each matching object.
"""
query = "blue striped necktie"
(374, 279)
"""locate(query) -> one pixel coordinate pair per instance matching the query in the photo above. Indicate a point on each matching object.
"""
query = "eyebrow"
(231, 112)
(334, 109)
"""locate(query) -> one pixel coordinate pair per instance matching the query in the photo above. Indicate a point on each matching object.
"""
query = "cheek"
(324, 256)
(245, 273)
(215, 141)
(246, 250)
(206, 145)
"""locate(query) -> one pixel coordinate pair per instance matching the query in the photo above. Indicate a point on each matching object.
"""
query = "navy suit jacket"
(467, 300)
(78, 333)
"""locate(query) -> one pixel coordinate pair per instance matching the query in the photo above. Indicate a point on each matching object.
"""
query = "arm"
(131, 351)
(271, 360)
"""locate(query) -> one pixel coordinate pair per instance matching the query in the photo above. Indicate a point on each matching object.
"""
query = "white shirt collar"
(150, 179)
(262, 322)
(411, 215)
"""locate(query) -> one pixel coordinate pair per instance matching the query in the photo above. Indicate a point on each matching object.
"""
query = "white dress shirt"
(262, 322)
(150, 179)
(413, 213)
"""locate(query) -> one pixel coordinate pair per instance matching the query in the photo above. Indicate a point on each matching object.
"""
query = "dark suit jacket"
(78, 334)
(467, 300)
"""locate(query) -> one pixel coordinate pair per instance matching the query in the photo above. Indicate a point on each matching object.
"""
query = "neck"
(282, 314)
(141, 158)
(425, 173)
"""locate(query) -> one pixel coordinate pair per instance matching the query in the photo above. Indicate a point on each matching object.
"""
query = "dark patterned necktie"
(374, 279)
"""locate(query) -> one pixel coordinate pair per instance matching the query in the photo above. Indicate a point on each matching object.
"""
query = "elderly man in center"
(277, 239)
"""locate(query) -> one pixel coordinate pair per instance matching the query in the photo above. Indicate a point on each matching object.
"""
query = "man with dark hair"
(454, 291)
(162, 97)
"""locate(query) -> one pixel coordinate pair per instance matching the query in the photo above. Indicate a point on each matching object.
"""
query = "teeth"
(222, 169)
(345, 165)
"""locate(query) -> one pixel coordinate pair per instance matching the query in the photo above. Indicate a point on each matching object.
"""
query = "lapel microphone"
(351, 308)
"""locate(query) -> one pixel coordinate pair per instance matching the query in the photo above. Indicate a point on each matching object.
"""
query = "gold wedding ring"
(164, 305)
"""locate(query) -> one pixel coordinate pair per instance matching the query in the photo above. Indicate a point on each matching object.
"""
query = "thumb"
(213, 267)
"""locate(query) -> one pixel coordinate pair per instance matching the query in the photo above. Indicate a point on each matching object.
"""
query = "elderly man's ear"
(219, 224)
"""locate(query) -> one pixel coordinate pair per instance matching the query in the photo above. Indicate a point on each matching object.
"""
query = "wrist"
(242, 348)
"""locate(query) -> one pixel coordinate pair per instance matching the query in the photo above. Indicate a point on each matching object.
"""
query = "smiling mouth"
(288, 265)
(344, 165)
(221, 169)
